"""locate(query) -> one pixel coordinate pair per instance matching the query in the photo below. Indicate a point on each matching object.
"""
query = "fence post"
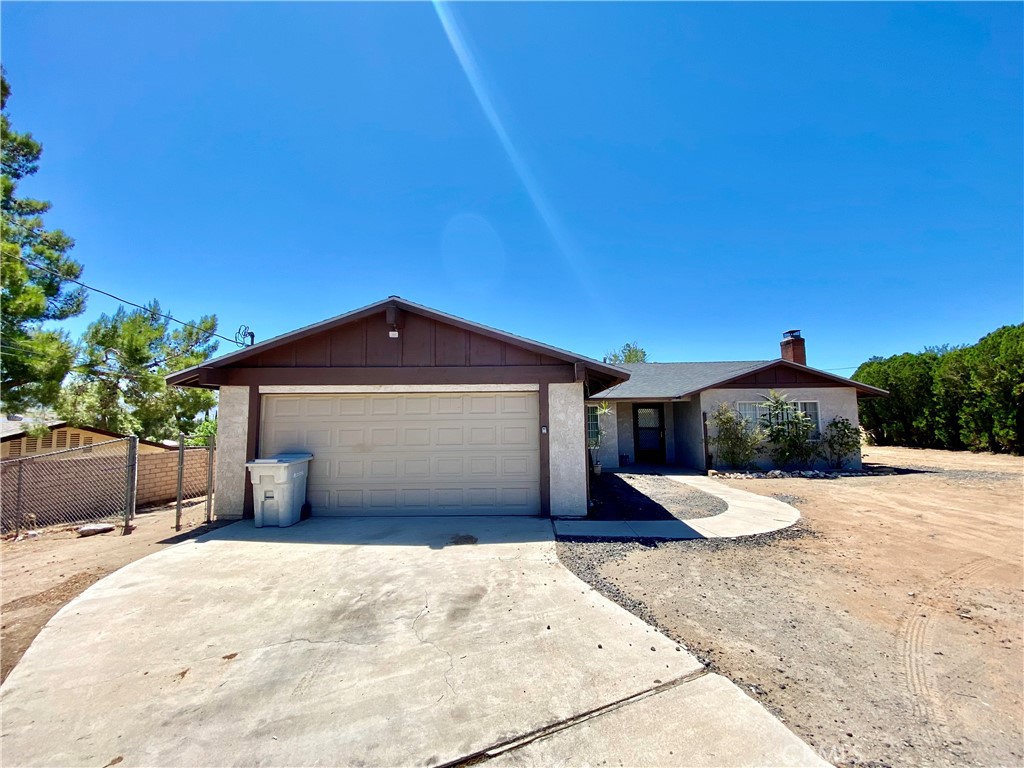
(212, 447)
(181, 478)
(131, 478)
(19, 512)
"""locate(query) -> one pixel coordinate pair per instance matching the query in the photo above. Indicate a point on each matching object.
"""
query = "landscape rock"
(94, 528)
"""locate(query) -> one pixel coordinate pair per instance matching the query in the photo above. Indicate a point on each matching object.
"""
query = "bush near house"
(736, 441)
(783, 433)
(789, 432)
(839, 440)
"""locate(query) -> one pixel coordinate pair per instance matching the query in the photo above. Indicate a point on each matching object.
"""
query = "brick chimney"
(792, 345)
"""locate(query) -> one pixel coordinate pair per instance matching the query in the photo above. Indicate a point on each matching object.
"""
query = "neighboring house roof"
(189, 376)
(12, 430)
(671, 381)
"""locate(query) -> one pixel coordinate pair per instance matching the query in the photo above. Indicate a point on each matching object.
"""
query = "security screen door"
(649, 433)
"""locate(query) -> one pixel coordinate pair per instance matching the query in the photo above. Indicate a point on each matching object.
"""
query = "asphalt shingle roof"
(668, 380)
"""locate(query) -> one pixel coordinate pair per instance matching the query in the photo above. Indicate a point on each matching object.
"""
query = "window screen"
(751, 412)
(593, 426)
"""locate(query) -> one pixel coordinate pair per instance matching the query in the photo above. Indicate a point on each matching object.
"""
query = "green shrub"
(736, 441)
(789, 431)
(839, 441)
(202, 433)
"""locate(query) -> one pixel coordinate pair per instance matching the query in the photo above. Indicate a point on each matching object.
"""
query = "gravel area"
(636, 496)
(588, 558)
(886, 628)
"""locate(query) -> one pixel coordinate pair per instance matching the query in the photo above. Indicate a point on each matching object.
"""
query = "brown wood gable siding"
(422, 342)
(780, 376)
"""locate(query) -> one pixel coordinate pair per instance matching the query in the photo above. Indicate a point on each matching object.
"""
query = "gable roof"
(189, 376)
(671, 381)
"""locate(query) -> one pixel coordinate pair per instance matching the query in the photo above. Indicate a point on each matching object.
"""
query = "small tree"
(594, 443)
(202, 433)
(630, 352)
(839, 441)
(120, 384)
(789, 431)
(736, 440)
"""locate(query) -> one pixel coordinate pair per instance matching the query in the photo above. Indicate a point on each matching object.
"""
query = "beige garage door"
(412, 454)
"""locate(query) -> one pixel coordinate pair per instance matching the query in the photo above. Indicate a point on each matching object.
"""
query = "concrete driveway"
(369, 642)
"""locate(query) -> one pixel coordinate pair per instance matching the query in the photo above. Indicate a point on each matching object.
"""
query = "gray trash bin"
(279, 488)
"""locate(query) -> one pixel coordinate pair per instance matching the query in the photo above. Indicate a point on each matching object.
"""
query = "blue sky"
(695, 177)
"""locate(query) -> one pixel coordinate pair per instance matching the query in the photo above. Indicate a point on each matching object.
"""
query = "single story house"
(16, 442)
(411, 411)
(660, 414)
(407, 411)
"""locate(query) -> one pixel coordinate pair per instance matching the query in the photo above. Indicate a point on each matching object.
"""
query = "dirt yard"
(886, 628)
(38, 576)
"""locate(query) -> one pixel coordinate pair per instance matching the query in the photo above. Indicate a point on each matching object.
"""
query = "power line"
(15, 351)
(125, 301)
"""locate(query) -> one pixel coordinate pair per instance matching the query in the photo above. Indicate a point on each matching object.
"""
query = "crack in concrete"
(451, 660)
(518, 742)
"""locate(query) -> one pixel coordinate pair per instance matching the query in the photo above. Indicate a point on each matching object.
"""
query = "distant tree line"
(957, 398)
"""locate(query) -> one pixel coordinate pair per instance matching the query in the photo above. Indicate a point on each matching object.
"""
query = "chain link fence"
(93, 483)
(195, 471)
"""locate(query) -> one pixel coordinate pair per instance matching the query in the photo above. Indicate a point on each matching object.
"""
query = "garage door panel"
(354, 406)
(486, 466)
(443, 453)
(384, 406)
(483, 404)
(319, 407)
(419, 467)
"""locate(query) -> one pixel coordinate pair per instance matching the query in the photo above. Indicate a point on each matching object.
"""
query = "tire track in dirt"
(915, 646)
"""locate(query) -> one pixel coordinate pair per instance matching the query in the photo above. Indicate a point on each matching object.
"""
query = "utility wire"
(15, 351)
(125, 301)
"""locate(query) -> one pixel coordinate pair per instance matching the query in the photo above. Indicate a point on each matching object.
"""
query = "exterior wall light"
(393, 333)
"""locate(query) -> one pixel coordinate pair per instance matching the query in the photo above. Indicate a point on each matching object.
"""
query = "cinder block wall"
(158, 476)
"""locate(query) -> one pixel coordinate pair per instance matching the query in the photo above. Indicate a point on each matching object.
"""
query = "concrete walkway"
(370, 642)
(748, 514)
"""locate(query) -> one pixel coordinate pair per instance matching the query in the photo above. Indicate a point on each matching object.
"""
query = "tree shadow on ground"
(615, 499)
(888, 469)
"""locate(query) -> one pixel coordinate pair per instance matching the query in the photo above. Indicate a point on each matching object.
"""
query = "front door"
(649, 433)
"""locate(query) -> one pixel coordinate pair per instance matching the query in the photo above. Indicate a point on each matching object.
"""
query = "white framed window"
(751, 412)
(593, 426)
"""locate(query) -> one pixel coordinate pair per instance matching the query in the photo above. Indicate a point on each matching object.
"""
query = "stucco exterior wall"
(669, 423)
(624, 425)
(832, 402)
(232, 434)
(567, 450)
(689, 434)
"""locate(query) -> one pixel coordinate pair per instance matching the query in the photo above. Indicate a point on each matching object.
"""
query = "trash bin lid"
(283, 458)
